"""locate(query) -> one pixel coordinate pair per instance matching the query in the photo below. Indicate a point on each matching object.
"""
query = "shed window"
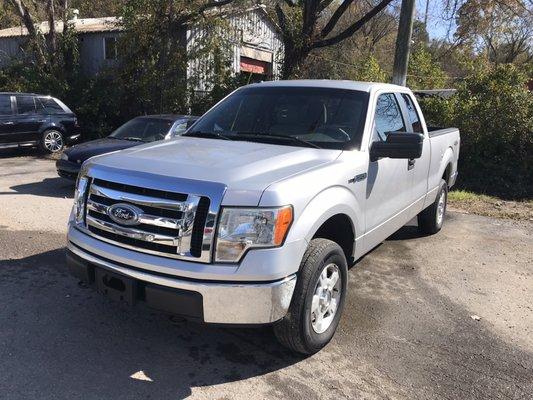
(110, 48)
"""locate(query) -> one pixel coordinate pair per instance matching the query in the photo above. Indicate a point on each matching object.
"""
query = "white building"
(256, 44)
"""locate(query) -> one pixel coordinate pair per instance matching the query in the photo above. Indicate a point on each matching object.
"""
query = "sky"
(437, 27)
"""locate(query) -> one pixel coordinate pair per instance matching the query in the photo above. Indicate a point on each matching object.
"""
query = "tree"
(424, 71)
(493, 109)
(307, 25)
(153, 54)
(500, 29)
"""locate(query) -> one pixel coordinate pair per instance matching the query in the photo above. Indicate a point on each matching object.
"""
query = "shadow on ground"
(49, 187)
(399, 338)
(23, 152)
(85, 343)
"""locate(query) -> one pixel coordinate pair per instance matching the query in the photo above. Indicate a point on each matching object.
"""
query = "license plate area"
(115, 286)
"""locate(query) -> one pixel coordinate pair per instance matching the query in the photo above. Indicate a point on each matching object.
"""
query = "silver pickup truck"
(254, 216)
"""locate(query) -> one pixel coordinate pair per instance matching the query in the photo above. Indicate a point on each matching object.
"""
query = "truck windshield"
(295, 116)
(143, 129)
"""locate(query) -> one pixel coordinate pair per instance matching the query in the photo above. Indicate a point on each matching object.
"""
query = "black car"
(31, 120)
(133, 133)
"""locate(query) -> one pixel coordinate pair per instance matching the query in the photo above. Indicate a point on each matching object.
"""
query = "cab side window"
(414, 119)
(5, 105)
(25, 105)
(388, 116)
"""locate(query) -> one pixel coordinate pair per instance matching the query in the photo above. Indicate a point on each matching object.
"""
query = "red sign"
(254, 66)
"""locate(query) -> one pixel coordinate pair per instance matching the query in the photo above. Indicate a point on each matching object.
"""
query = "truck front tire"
(318, 299)
(431, 219)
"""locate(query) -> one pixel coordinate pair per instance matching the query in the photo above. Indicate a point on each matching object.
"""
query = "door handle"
(411, 164)
(8, 123)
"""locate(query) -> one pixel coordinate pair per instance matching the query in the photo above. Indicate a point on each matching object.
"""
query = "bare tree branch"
(348, 32)
(23, 12)
(51, 36)
(339, 12)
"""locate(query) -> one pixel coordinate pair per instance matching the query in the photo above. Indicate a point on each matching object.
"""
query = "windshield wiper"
(213, 135)
(266, 136)
(134, 139)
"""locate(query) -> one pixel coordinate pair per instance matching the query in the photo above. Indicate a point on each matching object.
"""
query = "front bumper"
(68, 169)
(220, 302)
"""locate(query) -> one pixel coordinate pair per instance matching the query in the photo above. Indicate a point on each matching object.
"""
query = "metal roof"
(333, 84)
(81, 25)
(108, 24)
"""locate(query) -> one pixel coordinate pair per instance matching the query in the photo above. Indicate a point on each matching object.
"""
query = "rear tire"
(430, 220)
(318, 299)
(52, 141)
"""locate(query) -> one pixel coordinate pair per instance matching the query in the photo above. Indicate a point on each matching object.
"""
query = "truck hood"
(245, 168)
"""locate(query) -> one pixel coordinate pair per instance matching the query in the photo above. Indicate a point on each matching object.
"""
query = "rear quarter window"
(412, 114)
(49, 105)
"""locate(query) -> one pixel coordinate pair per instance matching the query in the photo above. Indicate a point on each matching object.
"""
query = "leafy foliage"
(494, 111)
(424, 71)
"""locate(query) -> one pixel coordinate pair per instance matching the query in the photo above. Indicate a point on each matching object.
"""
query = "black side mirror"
(398, 145)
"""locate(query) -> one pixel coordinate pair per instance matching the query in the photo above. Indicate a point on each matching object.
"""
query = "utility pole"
(403, 42)
(426, 15)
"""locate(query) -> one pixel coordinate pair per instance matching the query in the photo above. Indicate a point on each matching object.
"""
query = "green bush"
(424, 71)
(494, 111)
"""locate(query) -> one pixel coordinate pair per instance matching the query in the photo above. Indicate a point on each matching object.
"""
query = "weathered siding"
(92, 52)
(250, 33)
(10, 48)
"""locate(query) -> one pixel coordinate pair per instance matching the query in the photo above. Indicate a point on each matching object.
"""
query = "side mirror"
(398, 145)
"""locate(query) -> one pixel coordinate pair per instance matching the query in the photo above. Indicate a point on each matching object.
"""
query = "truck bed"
(437, 131)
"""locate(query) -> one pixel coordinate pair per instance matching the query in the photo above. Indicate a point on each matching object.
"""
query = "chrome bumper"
(223, 303)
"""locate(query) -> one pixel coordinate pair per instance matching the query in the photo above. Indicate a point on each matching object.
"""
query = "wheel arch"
(50, 125)
(333, 207)
(446, 168)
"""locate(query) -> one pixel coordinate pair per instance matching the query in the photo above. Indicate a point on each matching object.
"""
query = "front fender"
(326, 204)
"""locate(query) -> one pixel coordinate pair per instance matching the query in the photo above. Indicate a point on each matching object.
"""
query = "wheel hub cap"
(53, 141)
(326, 298)
(440, 208)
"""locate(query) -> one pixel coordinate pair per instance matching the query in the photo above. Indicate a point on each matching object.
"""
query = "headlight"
(79, 199)
(240, 229)
(64, 157)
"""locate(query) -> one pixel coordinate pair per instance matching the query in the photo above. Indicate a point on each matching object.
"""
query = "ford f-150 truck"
(254, 216)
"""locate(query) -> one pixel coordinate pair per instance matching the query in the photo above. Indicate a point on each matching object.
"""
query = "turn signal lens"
(283, 222)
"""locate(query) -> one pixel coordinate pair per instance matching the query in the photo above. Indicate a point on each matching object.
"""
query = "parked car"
(254, 215)
(133, 133)
(31, 120)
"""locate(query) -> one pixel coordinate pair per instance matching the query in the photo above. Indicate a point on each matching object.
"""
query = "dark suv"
(28, 120)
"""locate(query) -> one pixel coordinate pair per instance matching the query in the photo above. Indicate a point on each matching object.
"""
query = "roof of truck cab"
(168, 116)
(332, 84)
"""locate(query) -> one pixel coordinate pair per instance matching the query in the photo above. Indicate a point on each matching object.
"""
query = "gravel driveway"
(410, 329)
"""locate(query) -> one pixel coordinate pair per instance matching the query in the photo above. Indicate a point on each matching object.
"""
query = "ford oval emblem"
(124, 214)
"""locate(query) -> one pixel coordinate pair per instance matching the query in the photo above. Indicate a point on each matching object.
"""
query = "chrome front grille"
(166, 223)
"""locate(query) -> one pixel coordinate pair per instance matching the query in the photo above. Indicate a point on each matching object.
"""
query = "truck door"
(389, 182)
(27, 121)
(7, 120)
(419, 168)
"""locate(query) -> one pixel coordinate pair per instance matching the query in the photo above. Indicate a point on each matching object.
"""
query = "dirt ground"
(448, 316)
(471, 203)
